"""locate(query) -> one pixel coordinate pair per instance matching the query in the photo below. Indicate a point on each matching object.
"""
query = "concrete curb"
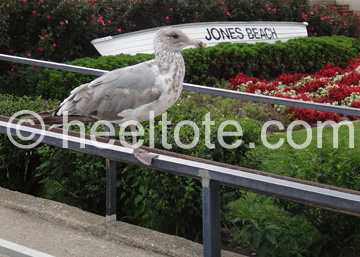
(75, 218)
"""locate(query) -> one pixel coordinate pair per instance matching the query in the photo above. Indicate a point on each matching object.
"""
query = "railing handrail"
(211, 174)
(198, 88)
(334, 198)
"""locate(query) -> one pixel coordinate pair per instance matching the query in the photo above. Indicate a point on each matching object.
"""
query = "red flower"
(296, 86)
(41, 49)
(47, 16)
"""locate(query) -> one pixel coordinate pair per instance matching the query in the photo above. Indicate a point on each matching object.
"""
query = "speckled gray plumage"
(129, 93)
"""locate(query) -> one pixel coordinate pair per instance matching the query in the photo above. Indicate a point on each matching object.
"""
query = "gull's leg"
(140, 154)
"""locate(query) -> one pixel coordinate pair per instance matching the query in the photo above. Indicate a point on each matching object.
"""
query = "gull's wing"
(119, 90)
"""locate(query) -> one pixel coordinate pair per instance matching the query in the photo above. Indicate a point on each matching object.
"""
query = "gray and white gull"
(130, 93)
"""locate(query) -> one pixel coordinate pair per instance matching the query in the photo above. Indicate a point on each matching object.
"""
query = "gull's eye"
(175, 36)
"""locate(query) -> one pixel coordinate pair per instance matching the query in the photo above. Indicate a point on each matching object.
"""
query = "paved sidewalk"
(61, 230)
(26, 230)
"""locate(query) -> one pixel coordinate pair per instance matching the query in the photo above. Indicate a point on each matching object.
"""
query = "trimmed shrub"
(18, 166)
(327, 165)
(149, 198)
(203, 66)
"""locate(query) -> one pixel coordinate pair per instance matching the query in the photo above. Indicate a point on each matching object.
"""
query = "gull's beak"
(197, 43)
(202, 44)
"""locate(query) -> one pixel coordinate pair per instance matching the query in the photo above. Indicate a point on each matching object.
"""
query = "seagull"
(130, 93)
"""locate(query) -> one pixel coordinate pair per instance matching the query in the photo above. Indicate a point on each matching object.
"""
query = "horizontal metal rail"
(211, 174)
(198, 88)
(333, 198)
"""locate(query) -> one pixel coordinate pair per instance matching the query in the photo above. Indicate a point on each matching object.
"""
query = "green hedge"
(203, 66)
(150, 198)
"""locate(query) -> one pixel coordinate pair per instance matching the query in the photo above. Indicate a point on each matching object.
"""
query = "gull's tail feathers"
(47, 117)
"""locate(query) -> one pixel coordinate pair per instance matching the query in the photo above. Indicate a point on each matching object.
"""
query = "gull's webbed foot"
(144, 156)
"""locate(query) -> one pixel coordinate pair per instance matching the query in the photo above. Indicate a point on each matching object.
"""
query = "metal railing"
(212, 174)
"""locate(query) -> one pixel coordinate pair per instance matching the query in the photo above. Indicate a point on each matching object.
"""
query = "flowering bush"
(331, 85)
(62, 30)
(325, 22)
(56, 30)
(267, 10)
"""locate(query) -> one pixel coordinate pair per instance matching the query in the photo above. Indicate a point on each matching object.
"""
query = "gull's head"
(173, 40)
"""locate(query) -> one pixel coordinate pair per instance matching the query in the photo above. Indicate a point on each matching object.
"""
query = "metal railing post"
(111, 206)
(211, 216)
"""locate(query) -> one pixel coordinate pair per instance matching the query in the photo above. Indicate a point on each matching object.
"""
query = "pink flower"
(228, 14)
(61, 23)
(304, 16)
(119, 30)
(54, 45)
(48, 16)
(33, 12)
(341, 24)
(46, 35)
(41, 49)
(29, 54)
(42, 38)
(312, 13)
(109, 22)
(24, 1)
(12, 69)
(41, 0)
(274, 10)
(269, 9)
(167, 17)
(171, 9)
(66, 21)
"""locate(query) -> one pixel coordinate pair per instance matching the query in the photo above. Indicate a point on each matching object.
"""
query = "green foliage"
(150, 198)
(257, 224)
(79, 181)
(264, 60)
(203, 66)
(327, 165)
(18, 166)
(57, 30)
(266, 10)
(63, 30)
(172, 204)
(324, 22)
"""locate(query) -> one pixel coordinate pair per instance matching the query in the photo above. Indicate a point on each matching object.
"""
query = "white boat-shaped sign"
(212, 33)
